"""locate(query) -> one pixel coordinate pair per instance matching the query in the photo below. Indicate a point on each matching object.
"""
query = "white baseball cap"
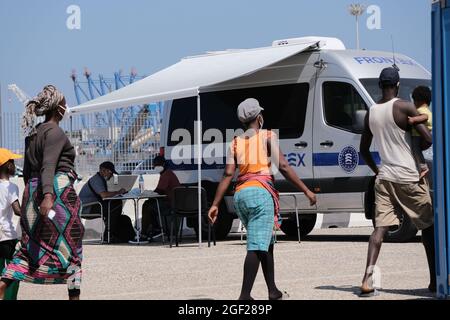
(248, 110)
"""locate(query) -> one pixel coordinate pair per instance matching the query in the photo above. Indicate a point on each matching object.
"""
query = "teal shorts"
(255, 208)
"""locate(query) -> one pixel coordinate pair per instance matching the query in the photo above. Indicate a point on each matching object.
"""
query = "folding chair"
(185, 205)
(95, 215)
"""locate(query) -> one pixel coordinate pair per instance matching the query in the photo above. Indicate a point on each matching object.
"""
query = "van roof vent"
(324, 42)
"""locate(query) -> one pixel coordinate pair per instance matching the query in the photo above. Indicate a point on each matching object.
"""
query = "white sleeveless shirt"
(394, 145)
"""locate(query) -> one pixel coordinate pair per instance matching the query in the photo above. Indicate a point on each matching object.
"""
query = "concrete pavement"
(328, 265)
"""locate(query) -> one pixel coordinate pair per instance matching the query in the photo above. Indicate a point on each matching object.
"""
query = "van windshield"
(406, 87)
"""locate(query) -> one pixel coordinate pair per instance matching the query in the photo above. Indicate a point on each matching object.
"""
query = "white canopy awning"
(187, 77)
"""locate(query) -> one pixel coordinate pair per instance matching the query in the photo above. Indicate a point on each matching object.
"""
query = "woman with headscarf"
(50, 251)
(256, 200)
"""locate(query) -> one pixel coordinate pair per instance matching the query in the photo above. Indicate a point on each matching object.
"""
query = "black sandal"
(284, 296)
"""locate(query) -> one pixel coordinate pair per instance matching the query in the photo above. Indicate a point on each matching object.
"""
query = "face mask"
(159, 169)
(39, 120)
(261, 122)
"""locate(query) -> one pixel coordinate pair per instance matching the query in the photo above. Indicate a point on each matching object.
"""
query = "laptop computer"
(123, 181)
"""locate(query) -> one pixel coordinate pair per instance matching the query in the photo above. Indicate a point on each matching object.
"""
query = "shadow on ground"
(421, 293)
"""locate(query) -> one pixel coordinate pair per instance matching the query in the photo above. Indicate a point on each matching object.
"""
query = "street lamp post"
(356, 10)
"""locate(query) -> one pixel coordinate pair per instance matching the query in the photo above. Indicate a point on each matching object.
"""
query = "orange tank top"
(251, 155)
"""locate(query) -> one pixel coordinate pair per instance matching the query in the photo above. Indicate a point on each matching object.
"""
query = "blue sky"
(36, 47)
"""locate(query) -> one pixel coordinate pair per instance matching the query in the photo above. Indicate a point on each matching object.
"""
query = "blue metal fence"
(441, 135)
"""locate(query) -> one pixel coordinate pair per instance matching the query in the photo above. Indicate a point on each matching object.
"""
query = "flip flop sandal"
(371, 293)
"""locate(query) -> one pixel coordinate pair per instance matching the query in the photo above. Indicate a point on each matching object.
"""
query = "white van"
(317, 100)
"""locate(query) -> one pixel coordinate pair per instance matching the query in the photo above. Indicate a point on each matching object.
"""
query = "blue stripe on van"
(332, 159)
(319, 160)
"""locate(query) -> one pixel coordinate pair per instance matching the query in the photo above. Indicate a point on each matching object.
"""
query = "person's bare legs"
(251, 266)
(428, 243)
(74, 294)
(375, 242)
(268, 266)
(3, 287)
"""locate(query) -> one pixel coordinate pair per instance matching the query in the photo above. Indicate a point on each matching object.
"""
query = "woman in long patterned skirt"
(50, 251)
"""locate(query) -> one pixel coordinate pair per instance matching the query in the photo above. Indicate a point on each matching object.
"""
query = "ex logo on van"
(296, 159)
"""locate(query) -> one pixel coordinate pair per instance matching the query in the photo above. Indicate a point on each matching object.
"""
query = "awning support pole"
(199, 169)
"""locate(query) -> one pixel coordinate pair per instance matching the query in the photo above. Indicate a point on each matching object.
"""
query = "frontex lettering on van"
(362, 60)
(296, 159)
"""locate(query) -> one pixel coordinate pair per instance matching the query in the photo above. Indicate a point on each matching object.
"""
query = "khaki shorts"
(414, 199)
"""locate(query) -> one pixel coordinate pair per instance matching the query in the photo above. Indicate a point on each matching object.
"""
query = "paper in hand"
(51, 214)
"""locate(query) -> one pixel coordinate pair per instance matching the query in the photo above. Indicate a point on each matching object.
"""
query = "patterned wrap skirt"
(50, 251)
(255, 207)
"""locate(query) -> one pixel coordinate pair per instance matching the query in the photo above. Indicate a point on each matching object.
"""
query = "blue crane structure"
(101, 87)
(441, 135)
(131, 120)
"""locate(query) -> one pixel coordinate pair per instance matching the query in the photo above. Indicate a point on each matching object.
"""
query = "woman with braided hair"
(50, 251)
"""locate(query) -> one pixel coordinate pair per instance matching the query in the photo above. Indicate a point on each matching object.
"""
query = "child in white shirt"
(9, 205)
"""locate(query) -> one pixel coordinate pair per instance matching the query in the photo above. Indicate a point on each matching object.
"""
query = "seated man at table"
(167, 182)
(96, 190)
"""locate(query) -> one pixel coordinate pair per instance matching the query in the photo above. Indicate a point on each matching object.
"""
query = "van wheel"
(224, 221)
(222, 226)
(405, 232)
(307, 223)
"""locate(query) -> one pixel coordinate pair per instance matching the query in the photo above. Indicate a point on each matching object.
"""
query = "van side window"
(182, 116)
(341, 101)
(284, 109)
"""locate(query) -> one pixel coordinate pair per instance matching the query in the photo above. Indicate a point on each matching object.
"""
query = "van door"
(292, 116)
(287, 110)
(338, 167)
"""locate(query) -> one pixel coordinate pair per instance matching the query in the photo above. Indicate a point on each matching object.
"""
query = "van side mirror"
(358, 121)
